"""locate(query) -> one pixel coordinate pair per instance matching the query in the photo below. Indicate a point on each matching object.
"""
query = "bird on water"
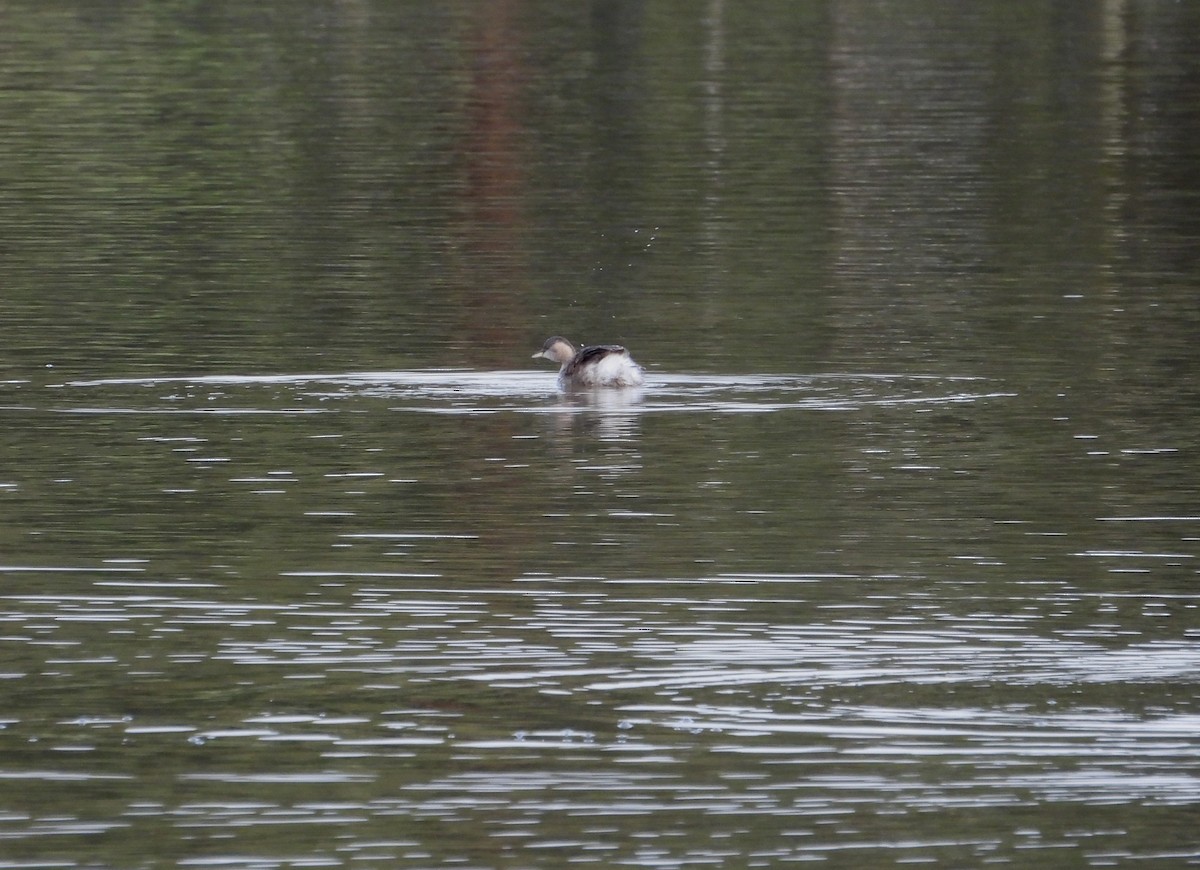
(597, 365)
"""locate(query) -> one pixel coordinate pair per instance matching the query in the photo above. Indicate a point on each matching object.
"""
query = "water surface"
(893, 560)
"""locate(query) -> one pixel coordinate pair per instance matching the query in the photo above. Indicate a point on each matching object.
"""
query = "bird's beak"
(541, 354)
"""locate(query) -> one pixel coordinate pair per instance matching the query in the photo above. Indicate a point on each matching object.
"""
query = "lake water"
(893, 560)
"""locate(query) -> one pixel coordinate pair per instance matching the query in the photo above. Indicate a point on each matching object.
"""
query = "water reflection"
(917, 586)
(607, 415)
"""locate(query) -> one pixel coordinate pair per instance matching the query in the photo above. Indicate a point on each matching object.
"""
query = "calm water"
(305, 563)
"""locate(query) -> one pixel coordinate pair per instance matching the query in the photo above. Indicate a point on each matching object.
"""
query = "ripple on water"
(467, 392)
(593, 709)
(646, 720)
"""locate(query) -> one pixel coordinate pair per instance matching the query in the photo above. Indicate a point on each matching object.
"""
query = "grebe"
(600, 365)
